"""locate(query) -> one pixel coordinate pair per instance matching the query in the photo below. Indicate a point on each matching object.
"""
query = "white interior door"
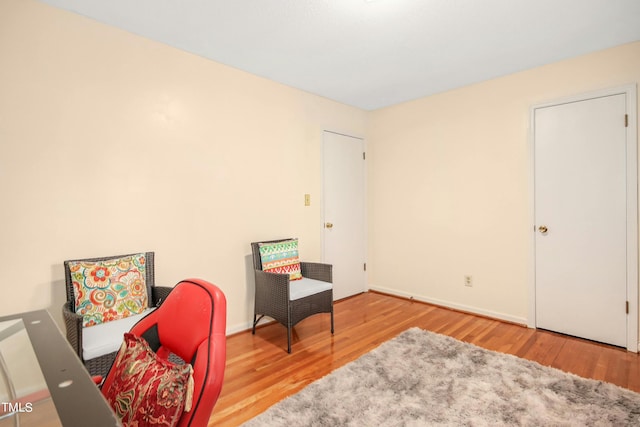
(581, 218)
(344, 238)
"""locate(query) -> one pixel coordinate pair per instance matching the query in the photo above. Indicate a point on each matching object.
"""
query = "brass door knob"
(543, 229)
(328, 225)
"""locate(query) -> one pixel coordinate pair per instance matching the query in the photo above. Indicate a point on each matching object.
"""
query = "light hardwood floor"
(260, 373)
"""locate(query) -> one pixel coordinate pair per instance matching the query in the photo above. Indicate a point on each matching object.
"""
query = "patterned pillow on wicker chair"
(281, 257)
(110, 289)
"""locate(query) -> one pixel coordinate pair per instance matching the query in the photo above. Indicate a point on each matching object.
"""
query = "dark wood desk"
(59, 391)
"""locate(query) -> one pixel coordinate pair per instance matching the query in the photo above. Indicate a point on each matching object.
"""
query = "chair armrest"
(73, 325)
(317, 270)
(159, 294)
(272, 286)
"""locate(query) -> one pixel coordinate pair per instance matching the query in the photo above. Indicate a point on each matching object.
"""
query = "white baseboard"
(501, 316)
(449, 304)
(244, 327)
(239, 328)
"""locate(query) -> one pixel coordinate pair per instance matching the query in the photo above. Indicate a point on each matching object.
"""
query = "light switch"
(307, 199)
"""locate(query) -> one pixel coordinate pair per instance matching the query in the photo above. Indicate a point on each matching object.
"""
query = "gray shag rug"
(420, 378)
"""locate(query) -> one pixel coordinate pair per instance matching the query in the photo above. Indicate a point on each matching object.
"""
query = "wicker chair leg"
(332, 321)
(289, 339)
(256, 319)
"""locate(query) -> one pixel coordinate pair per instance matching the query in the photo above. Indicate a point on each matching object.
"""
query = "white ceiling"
(372, 54)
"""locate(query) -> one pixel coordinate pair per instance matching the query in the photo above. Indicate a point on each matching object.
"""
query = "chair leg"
(331, 321)
(289, 339)
(256, 319)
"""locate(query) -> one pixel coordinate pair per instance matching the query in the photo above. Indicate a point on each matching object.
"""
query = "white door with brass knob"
(581, 229)
(344, 212)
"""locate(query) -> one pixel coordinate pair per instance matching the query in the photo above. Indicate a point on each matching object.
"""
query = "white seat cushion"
(107, 337)
(305, 287)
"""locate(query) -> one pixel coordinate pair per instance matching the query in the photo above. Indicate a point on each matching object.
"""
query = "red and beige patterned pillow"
(281, 257)
(147, 390)
(110, 289)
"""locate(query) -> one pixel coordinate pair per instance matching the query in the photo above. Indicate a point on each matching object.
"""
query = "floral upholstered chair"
(105, 298)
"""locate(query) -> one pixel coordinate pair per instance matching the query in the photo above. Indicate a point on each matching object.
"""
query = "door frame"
(365, 285)
(630, 91)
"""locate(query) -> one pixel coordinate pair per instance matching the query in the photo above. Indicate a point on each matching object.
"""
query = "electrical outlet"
(468, 281)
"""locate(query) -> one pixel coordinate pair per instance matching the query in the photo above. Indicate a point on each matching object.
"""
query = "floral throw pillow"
(110, 289)
(147, 390)
(281, 257)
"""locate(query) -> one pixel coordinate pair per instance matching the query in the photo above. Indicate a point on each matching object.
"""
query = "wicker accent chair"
(99, 366)
(273, 296)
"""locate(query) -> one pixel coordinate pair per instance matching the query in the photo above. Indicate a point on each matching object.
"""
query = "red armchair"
(190, 324)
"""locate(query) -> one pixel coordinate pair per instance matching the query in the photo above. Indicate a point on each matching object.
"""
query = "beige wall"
(111, 143)
(449, 179)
